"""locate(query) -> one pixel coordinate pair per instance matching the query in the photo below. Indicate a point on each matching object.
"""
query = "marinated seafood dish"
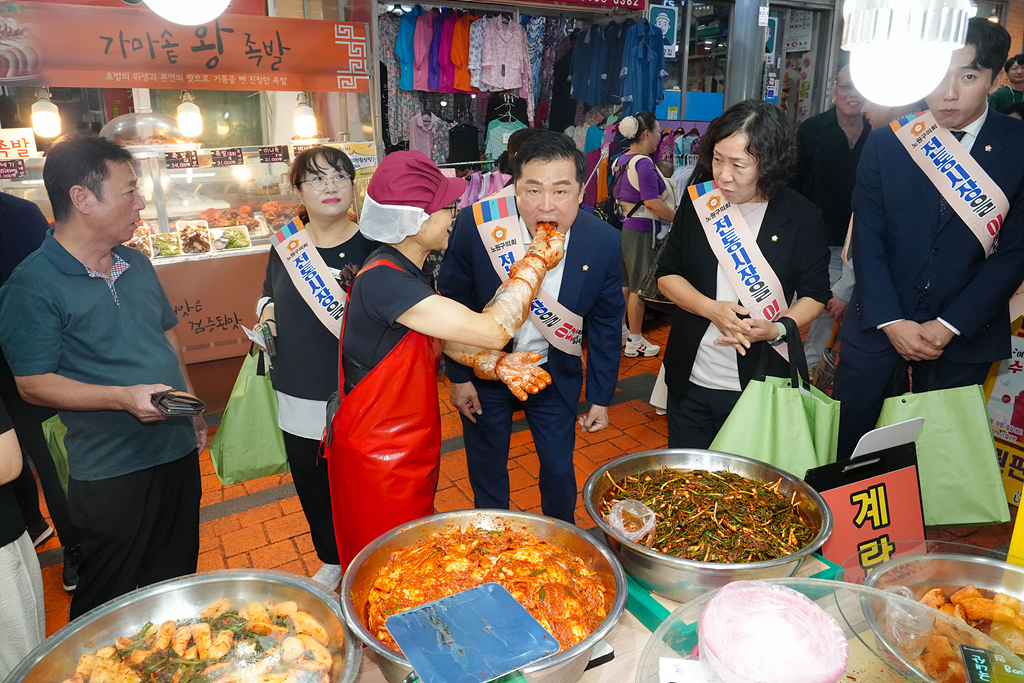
(141, 240)
(553, 584)
(195, 237)
(243, 215)
(262, 642)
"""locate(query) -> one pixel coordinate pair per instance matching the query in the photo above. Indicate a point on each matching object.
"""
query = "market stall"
(213, 115)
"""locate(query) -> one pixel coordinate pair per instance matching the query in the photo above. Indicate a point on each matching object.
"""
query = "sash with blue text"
(310, 275)
(746, 268)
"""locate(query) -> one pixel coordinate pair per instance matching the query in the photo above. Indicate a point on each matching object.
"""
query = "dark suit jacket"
(799, 257)
(595, 294)
(22, 230)
(900, 247)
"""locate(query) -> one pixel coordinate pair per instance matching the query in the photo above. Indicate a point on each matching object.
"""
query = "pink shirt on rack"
(421, 45)
(421, 132)
(444, 57)
(503, 58)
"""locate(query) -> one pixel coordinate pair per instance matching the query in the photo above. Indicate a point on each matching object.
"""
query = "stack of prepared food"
(243, 215)
(553, 584)
(265, 642)
(195, 237)
(279, 213)
(715, 516)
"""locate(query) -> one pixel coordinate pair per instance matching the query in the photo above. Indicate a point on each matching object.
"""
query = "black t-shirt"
(379, 297)
(12, 524)
(306, 365)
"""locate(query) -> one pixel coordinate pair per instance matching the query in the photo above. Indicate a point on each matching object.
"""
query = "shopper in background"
(713, 351)
(305, 370)
(1012, 93)
(638, 181)
(842, 291)
(829, 147)
(22, 230)
(928, 292)
(23, 625)
(87, 329)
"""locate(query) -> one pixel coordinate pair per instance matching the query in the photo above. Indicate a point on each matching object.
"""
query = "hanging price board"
(231, 156)
(12, 170)
(271, 155)
(187, 159)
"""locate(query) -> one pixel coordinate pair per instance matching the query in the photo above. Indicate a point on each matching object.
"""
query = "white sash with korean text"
(957, 175)
(310, 275)
(497, 219)
(746, 268)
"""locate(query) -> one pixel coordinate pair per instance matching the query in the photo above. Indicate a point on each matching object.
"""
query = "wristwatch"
(781, 339)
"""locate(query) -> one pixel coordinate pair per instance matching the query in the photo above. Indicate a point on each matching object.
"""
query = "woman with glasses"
(305, 369)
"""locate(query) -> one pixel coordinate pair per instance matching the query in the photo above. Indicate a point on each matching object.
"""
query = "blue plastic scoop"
(477, 635)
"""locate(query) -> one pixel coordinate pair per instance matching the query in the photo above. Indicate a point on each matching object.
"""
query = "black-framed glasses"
(319, 182)
(454, 209)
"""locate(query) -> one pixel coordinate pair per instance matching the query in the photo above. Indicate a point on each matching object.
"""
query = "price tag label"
(299, 149)
(187, 159)
(232, 156)
(271, 155)
(12, 170)
(505, 137)
(984, 666)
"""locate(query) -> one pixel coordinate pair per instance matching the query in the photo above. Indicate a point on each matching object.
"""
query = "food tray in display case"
(147, 134)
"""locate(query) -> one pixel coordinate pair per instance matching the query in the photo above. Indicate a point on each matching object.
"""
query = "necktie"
(943, 204)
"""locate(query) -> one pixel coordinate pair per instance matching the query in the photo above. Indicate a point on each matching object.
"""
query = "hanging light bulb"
(305, 118)
(188, 12)
(190, 120)
(900, 49)
(45, 115)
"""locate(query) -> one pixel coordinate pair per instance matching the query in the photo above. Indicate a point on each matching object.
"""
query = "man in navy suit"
(548, 172)
(926, 294)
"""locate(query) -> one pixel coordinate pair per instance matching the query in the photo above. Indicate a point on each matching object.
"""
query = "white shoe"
(329, 576)
(660, 411)
(641, 348)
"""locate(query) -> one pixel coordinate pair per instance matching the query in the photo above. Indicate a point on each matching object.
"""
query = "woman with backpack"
(645, 196)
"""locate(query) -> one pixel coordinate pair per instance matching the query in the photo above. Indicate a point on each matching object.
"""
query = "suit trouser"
(553, 425)
(28, 425)
(696, 418)
(135, 529)
(310, 479)
(864, 380)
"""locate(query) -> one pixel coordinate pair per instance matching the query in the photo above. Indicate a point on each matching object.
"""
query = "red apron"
(385, 452)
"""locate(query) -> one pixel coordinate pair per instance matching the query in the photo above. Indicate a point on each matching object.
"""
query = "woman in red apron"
(384, 441)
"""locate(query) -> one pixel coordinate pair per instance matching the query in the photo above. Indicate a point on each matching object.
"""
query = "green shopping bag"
(249, 444)
(54, 431)
(956, 455)
(787, 423)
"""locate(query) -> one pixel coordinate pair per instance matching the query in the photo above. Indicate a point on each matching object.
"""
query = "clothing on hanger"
(446, 82)
(506, 107)
(460, 53)
(504, 55)
(477, 30)
(404, 46)
(643, 68)
(423, 37)
(433, 65)
(402, 104)
(615, 38)
(463, 143)
(428, 133)
(498, 133)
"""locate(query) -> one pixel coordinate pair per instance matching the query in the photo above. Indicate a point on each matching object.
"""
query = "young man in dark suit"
(549, 173)
(926, 292)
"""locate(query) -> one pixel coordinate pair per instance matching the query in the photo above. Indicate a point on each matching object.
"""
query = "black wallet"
(178, 404)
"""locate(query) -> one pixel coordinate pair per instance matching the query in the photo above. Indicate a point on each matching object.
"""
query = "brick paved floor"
(260, 523)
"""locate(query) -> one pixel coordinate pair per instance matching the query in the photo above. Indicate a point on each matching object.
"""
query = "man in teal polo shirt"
(87, 329)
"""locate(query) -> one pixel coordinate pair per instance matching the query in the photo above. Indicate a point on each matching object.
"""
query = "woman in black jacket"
(714, 347)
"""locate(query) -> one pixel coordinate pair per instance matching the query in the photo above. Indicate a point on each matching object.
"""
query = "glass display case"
(207, 224)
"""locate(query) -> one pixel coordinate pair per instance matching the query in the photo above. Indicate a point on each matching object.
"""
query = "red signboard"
(131, 47)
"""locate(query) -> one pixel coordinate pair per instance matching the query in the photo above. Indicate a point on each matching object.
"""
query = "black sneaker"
(72, 558)
(40, 533)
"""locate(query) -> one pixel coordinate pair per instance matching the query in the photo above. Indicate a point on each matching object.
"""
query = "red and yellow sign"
(105, 47)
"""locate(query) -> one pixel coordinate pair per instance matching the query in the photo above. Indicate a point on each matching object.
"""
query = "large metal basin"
(56, 657)
(684, 580)
(563, 667)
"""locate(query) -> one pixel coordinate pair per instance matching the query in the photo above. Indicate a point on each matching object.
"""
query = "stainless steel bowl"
(684, 580)
(56, 657)
(563, 667)
(936, 570)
